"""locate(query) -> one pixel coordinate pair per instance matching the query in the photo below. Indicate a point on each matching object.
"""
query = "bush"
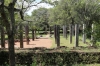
(4, 57)
(67, 58)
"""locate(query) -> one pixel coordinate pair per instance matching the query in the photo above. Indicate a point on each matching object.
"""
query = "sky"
(38, 0)
(29, 12)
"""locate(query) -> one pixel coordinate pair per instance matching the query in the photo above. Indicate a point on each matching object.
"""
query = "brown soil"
(41, 42)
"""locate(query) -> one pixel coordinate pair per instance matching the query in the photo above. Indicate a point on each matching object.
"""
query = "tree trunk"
(33, 34)
(84, 34)
(58, 35)
(11, 49)
(21, 36)
(2, 37)
(70, 33)
(76, 35)
(26, 34)
(11, 35)
(10, 31)
(55, 32)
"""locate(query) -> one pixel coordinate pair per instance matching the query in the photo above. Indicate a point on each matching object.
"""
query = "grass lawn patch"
(65, 42)
(86, 65)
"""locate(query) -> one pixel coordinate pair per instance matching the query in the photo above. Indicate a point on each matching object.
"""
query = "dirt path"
(41, 42)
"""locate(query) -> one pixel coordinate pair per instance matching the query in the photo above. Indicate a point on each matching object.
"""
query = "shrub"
(67, 58)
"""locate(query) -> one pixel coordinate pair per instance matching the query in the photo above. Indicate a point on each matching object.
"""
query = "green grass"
(92, 64)
(65, 42)
(87, 64)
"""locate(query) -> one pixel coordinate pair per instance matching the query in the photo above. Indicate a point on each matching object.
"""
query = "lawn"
(86, 65)
(65, 42)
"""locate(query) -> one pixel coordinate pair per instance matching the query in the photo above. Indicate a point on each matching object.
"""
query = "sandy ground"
(41, 42)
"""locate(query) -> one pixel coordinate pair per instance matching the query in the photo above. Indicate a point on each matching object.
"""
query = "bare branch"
(30, 6)
(21, 15)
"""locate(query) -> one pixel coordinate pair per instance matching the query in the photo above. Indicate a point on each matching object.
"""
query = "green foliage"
(53, 16)
(4, 56)
(69, 58)
(96, 34)
(51, 2)
(87, 11)
(77, 11)
(40, 18)
(7, 2)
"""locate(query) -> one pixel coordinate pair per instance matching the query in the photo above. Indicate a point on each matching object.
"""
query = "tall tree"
(2, 37)
(87, 12)
(10, 29)
(9, 7)
(40, 18)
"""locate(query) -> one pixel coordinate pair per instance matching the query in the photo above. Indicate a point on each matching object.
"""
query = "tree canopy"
(40, 17)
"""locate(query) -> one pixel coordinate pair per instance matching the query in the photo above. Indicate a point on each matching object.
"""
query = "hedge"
(52, 58)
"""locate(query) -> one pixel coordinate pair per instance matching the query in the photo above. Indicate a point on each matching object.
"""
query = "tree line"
(73, 15)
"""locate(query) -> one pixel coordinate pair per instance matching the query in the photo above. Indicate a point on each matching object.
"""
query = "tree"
(40, 19)
(54, 20)
(2, 37)
(61, 15)
(9, 23)
(76, 12)
(10, 31)
(87, 12)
